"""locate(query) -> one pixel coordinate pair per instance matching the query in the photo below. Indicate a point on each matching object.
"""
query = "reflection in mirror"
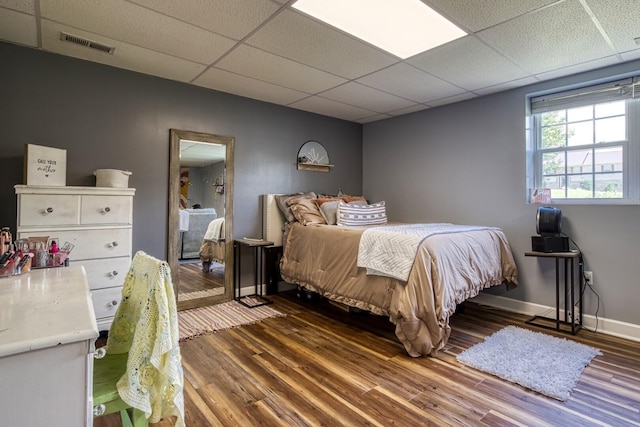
(200, 217)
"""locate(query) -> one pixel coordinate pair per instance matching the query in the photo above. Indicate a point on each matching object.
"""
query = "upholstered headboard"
(272, 219)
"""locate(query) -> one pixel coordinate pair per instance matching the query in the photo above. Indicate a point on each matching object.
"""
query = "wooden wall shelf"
(318, 167)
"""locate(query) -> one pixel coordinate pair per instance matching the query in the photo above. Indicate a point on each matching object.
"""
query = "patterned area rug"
(215, 318)
(182, 296)
(543, 363)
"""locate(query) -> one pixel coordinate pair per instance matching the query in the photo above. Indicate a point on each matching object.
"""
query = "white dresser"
(98, 221)
(47, 339)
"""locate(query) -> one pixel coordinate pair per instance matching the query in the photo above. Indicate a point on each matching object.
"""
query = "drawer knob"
(99, 353)
(112, 303)
(48, 210)
(113, 273)
(106, 210)
(99, 410)
(112, 244)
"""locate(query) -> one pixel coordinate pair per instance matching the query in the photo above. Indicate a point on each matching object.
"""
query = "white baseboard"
(613, 327)
(250, 290)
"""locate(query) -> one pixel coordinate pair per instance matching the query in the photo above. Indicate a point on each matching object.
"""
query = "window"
(584, 144)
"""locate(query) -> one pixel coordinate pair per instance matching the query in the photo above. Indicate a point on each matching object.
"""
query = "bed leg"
(206, 266)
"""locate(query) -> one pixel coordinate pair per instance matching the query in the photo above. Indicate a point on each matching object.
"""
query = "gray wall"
(110, 118)
(202, 190)
(465, 163)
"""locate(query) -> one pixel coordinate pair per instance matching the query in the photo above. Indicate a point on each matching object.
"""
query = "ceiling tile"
(366, 97)
(408, 110)
(410, 83)
(454, 61)
(18, 27)
(295, 36)
(620, 21)
(506, 86)
(579, 68)
(234, 19)
(631, 55)
(139, 26)
(477, 15)
(126, 56)
(255, 63)
(374, 118)
(327, 107)
(26, 6)
(244, 86)
(452, 99)
(546, 40)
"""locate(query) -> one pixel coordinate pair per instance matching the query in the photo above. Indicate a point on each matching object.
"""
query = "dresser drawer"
(91, 244)
(106, 301)
(44, 209)
(106, 210)
(105, 273)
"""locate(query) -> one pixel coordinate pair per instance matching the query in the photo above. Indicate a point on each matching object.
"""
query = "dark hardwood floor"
(321, 365)
(193, 279)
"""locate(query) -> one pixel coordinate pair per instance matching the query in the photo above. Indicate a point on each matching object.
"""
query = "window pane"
(610, 109)
(553, 163)
(581, 113)
(554, 117)
(553, 136)
(580, 186)
(580, 161)
(609, 185)
(580, 133)
(609, 159)
(556, 184)
(611, 130)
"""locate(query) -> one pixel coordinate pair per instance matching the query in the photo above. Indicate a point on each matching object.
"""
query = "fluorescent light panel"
(401, 27)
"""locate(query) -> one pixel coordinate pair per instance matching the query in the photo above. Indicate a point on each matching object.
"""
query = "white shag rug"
(540, 362)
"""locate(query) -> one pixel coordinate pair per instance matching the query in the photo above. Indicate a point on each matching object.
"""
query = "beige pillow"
(306, 211)
(329, 210)
(281, 200)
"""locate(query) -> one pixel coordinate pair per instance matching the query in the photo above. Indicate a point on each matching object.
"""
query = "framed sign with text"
(45, 165)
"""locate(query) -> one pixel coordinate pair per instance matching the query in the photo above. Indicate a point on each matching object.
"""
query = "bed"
(193, 224)
(212, 246)
(447, 269)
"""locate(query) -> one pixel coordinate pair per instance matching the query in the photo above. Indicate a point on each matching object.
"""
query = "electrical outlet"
(588, 277)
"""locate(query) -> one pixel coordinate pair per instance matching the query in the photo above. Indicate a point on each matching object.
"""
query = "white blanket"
(215, 230)
(184, 220)
(391, 250)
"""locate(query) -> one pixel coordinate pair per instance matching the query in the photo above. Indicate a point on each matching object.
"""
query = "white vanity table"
(47, 338)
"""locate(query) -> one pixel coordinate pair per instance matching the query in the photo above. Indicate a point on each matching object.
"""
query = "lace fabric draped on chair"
(146, 327)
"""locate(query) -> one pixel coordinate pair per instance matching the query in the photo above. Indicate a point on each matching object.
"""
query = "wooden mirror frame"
(173, 232)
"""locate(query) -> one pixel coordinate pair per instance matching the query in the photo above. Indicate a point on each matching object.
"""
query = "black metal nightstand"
(569, 266)
(258, 246)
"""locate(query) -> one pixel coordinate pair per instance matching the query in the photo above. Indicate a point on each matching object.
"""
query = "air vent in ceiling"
(65, 37)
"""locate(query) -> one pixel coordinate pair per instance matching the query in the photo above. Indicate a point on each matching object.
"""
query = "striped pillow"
(361, 215)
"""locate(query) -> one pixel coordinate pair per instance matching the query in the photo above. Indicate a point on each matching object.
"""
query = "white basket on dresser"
(98, 221)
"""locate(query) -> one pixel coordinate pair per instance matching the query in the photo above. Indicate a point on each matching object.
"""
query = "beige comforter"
(448, 269)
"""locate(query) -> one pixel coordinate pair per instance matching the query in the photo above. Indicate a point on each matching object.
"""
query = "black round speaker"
(548, 220)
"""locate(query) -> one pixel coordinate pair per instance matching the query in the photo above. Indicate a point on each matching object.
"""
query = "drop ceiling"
(266, 50)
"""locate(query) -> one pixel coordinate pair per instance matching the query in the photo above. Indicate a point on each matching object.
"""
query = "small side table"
(569, 266)
(258, 246)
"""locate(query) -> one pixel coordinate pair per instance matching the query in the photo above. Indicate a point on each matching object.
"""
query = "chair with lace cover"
(140, 373)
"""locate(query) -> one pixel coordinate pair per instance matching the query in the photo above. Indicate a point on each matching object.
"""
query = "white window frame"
(619, 88)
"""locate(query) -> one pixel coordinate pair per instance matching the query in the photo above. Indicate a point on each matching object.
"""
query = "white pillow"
(373, 214)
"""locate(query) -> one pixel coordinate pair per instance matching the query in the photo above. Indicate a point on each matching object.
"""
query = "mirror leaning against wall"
(200, 244)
